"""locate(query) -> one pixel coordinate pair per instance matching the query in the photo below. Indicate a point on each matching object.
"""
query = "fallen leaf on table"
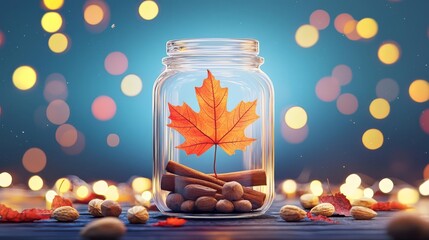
(388, 206)
(170, 222)
(27, 215)
(60, 202)
(341, 203)
(319, 218)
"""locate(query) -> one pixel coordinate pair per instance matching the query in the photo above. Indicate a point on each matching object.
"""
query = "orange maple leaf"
(213, 125)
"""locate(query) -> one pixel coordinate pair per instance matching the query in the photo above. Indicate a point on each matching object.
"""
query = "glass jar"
(213, 130)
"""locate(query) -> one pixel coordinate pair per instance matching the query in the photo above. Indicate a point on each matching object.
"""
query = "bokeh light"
(389, 53)
(424, 188)
(367, 28)
(103, 108)
(424, 120)
(82, 192)
(66, 135)
(53, 4)
(316, 188)
(5, 179)
(388, 89)
(131, 85)
(408, 196)
(294, 136)
(289, 186)
(58, 43)
(50, 195)
(341, 20)
(35, 183)
(58, 112)
(147, 195)
(342, 73)
(350, 30)
(93, 14)
(419, 90)
(51, 22)
(148, 9)
(306, 36)
(320, 19)
(347, 104)
(113, 140)
(78, 147)
(426, 172)
(24, 77)
(385, 185)
(2, 38)
(328, 89)
(63, 185)
(372, 139)
(55, 87)
(34, 160)
(141, 184)
(100, 187)
(353, 180)
(368, 193)
(116, 63)
(379, 108)
(296, 117)
(112, 193)
(96, 15)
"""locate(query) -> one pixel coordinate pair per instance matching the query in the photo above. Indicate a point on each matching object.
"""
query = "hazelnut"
(105, 228)
(404, 226)
(110, 208)
(137, 214)
(224, 206)
(187, 206)
(232, 191)
(242, 206)
(205, 204)
(174, 201)
(94, 207)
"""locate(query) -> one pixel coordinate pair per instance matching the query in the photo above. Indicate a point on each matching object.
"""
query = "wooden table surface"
(268, 226)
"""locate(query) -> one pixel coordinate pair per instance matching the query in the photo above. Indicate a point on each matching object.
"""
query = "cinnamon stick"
(248, 178)
(255, 197)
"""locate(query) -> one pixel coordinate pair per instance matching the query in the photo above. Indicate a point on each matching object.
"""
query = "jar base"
(214, 215)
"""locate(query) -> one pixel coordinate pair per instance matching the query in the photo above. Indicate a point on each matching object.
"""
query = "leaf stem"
(214, 161)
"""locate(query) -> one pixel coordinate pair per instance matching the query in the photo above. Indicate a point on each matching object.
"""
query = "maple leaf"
(213, 124)
(59, 201)
(319, 218)
(27, 215)
(341, 203)
(388, 206)
(170, 222)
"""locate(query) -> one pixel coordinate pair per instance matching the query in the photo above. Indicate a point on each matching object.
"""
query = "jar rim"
(213, 46)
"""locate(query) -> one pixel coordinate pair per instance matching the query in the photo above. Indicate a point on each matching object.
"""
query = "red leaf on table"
(60, 202)
(388, 206)
(319, 218)
(341, 203)
(170, 222)
(28, 215)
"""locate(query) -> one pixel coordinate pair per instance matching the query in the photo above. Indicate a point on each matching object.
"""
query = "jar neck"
(213, 53)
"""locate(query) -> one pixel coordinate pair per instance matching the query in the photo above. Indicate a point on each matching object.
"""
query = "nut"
(94, 207)
(187, 206)
(65, 214)
(137, 214)
(105, 228)
(308, 200)
(408, 226)
(205, 204)
(242, 206)
(110, 208)
(362, 213)
(325, 209)
(291, 213)
(224, 206)
(364, 202)
(232, 191)
(194, 191)
(174, 201)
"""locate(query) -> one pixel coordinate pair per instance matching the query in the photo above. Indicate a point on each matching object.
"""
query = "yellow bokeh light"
(372, 139)
(52, 22)
(368, 193)
(306, 36)
(388, 53)
(93, 14)
(82, 192)
(131, 85)
(353, 180)
(64, 183)
(148, 10)
(112, 193)
(408, 196)
(5, 179)
(367, 28)
(58, 43)
(296, 117)
(419, 90)
(49, 196)
(141, 184)
(289, 186)
(147, 195)
(424, 188)
(100, 187)
(24, 77)
(35, 183)
(385, 185)
(316, 188)
(379, 108)
(53, 4)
